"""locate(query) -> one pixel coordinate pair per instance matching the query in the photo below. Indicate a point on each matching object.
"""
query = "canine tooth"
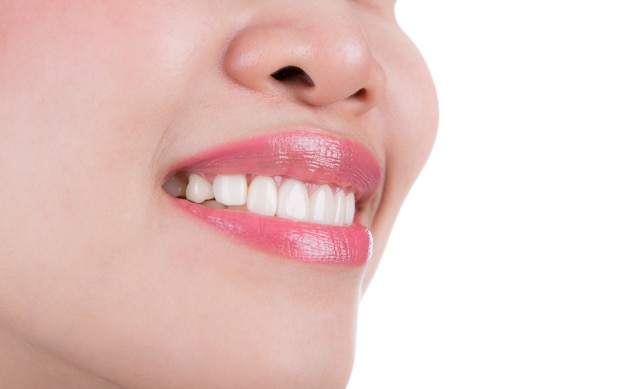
(293, 200)
(230, 189)
(198, 189)
(322, 205)
(175, 186)
(262, 196)
(340, 208)
(350, 208)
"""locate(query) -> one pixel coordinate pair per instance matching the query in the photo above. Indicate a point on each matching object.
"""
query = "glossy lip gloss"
(303, 155)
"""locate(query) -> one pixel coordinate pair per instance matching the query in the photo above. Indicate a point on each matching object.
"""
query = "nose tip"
(319, 66)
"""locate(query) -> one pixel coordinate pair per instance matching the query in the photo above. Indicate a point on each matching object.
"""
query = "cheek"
(84, 97)
(75, 155)
(413, 110)
(410, 111)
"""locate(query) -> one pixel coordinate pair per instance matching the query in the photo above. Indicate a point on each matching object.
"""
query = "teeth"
(230, 190)
(213, 204)
(293, 200)
(340, 208)
(175, 186)
(198, 189)
(350, 208)
(289, 199)
(323, 206)
(262, 196)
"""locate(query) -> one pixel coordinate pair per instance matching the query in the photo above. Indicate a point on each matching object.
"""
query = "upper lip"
(301, 154)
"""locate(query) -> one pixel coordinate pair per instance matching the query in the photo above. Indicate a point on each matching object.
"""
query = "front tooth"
(230, 189)
(323, 205)
(293, 200)
(262, 196)
(350, 208)
(198, 189)
(340, 208)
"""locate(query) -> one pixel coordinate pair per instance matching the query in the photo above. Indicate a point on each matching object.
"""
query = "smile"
(295, 194)
(268, 196)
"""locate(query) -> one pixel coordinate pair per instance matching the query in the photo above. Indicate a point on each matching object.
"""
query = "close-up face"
(197, 193)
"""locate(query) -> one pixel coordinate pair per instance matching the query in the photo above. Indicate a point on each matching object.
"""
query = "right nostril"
(293, 73)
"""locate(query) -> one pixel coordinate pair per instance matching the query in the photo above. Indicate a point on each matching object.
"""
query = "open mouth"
(295, 194)
(278, 196)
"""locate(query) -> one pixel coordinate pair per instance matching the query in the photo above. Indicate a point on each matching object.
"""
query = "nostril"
(291, 74)
(360, 94)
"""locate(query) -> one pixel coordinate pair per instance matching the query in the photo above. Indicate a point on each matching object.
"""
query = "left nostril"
(361, 93)
(292, 73)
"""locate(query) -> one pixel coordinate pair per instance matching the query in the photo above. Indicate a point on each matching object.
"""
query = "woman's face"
(110, 110)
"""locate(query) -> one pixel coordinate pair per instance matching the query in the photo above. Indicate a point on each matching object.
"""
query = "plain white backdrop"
(507, 266)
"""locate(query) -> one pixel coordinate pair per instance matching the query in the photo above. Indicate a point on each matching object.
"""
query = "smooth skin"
(103, 282)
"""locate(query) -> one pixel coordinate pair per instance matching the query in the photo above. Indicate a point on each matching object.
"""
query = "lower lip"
(305, 242)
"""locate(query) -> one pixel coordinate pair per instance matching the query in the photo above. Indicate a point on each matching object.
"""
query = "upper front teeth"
(262, 196)
(293, 200)
(290, 200)
(322, 205)
(230, 190)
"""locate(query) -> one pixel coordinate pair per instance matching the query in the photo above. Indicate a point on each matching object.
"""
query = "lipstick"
(312, 160)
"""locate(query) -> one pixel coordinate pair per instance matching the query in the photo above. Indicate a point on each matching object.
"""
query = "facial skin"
(104, 282)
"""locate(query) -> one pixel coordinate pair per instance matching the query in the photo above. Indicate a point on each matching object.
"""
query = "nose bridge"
(320, 58)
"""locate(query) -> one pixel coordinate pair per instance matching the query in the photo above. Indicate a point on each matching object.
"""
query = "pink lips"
(306, 156)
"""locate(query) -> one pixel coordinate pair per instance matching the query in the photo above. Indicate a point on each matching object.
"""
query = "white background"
(507, 266)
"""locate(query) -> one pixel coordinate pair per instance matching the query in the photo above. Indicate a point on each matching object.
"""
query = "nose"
(320, 61)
